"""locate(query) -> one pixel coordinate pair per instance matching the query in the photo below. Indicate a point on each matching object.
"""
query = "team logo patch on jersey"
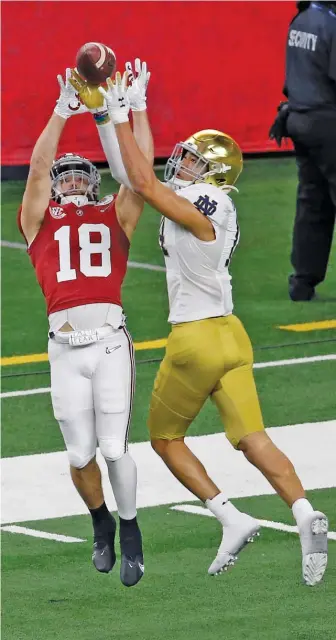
(80, 212)
(205, 205)
(105, 201)
(57, 212)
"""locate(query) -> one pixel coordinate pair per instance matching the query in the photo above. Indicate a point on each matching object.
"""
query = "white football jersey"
(198, 280)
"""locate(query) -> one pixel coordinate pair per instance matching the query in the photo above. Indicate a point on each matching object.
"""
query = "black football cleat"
(103, 554)
(132, 562)
(131, 569)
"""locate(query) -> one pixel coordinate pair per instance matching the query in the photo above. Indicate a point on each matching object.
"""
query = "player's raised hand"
(138, 84)
(68, 103)
(88, 94)
(116, 98)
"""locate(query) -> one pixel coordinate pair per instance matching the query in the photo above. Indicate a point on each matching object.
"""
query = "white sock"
(123, 479)
(301, 508)
(223, 509)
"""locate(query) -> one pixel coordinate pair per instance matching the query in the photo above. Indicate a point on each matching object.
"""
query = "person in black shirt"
(309, 119)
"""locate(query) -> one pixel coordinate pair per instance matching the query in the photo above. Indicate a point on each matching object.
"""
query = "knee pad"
(80, 439)
(79, 459)
(112, 448)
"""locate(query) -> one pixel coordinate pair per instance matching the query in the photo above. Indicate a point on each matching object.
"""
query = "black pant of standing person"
(314, 136)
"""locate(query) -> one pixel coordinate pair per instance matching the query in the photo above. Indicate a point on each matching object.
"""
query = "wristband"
(101, 118)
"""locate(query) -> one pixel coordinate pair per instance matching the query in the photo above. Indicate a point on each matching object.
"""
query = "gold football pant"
(206, 358)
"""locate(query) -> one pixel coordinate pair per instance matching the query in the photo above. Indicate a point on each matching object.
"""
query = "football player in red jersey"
(79, 247)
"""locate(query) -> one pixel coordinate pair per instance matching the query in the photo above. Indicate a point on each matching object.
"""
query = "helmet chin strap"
(176, 183)
(79, 200)
(228, 187)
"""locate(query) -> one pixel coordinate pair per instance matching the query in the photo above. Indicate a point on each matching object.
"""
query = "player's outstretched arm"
(164, 200)
(95, 103)
(129, 204)
(141, 174)
(137, 96)
(38, 188)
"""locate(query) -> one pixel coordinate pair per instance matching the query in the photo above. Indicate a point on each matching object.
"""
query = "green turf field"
(50, 590)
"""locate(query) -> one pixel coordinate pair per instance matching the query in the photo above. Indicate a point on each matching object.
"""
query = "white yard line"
(257, 365)
(13, 245)
(39, 487)
(286, 363)
(13, 528)
(130, 263)
(26, 392)
(268, 524)
(145, 265)
(186, 508)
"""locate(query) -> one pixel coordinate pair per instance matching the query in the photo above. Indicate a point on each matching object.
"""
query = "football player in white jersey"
(209, 353)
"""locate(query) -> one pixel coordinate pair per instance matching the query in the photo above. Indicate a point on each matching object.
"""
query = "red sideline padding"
(214, 65)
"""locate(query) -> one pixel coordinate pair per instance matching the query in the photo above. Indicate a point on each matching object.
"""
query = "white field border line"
(130, 263)
(257, 365)
(269, 524)
(34, 533)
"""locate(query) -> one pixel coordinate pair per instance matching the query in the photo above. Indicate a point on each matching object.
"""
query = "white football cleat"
(235, 537)
(314, 542)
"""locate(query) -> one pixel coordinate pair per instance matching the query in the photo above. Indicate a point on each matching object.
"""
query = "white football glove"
(138, 84)
(116, 98)
(68, 103)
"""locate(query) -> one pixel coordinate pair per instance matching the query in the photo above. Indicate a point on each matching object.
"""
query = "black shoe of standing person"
(132, 561)
(299, 290)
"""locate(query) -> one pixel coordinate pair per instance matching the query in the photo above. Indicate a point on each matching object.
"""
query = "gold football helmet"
(219, 162)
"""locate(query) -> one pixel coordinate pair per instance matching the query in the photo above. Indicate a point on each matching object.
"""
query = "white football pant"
(92, 390)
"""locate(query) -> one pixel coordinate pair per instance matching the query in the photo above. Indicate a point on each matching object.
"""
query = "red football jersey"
(79, 254)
